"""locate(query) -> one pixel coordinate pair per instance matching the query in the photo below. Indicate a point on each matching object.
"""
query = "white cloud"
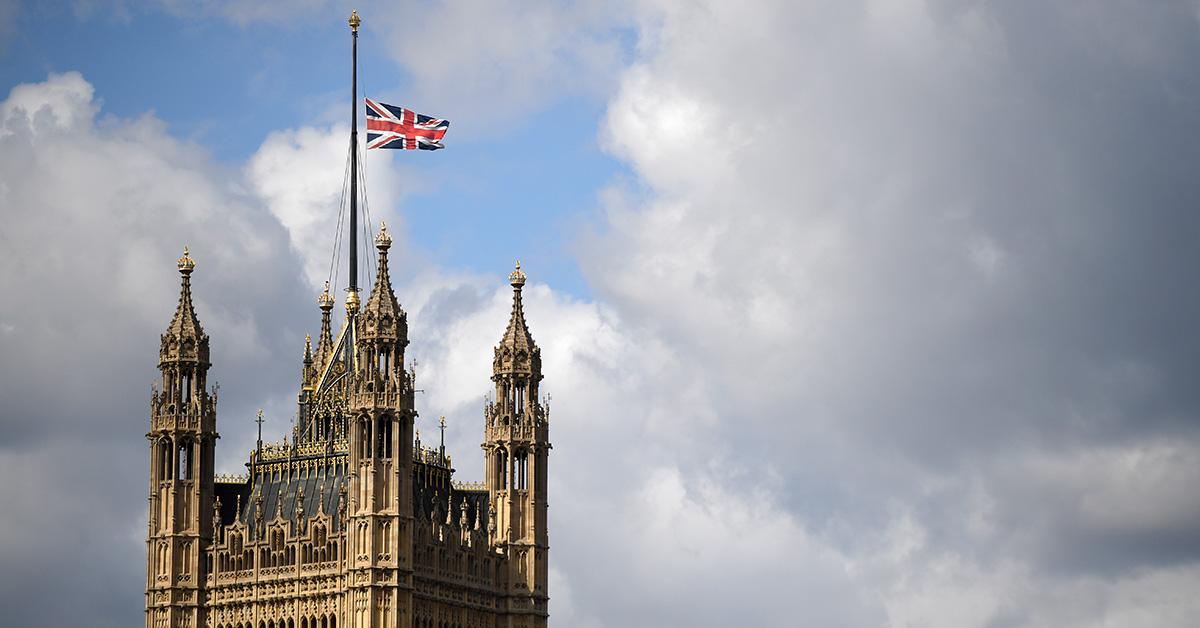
(299, 174)
(95, 214)
(62, 103)
(477, 62)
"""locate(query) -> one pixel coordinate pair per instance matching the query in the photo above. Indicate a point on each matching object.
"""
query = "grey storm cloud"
(934, 260)
(893, 317)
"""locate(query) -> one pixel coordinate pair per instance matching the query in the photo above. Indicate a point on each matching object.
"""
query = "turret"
(382, 328)
(183, 351)
(517, 364)
(516, 448)
(182, 442)
(381, 441)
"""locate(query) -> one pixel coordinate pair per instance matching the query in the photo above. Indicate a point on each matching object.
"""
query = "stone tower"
(350, 523)
(381, 458)
(517, 446)
(183, 433)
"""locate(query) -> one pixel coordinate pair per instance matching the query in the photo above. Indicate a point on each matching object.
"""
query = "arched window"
(364, 427)
(184, 460)
(164, 460)
(383, 437)
(523, 469)
(502, 468)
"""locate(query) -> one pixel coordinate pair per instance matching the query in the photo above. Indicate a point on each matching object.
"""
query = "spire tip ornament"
(325, 301)
(517, 277)
(383, 240)
(354, 20)
(186, 264)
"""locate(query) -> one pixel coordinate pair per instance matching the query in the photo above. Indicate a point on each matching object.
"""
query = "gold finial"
(354, 20)
(186, 263)
(383, 240)
(325, 301)
(517, 278)
(442, 421)
(352, 302)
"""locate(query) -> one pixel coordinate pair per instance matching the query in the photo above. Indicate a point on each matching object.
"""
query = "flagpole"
(353, 288)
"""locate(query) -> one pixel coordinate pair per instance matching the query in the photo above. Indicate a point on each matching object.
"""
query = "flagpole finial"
(354, 20)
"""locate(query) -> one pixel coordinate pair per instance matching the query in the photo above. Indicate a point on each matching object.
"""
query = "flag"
(395, 127)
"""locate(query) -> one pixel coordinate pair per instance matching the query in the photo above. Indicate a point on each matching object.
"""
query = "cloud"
(480, 64)
(891, 326)
(300, 175)
(483, 61)
(95, 213)
(472, 62)
(926, 264)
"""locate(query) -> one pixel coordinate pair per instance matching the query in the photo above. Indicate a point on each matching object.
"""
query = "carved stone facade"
(349, 521)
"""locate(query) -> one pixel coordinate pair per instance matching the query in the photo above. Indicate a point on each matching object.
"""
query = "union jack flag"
(395, 127)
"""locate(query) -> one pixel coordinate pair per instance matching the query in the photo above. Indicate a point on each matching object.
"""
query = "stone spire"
(517, 336)
(382, 305)
(517, 354)
(325, 340)
(309, 374)
(382, 326)
(185, 340)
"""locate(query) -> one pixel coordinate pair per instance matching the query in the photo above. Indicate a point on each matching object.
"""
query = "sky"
(853, 313)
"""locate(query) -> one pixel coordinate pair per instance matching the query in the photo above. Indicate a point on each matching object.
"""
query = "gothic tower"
(182, 437)
(350, 522)
(517, 446)
(381, 407)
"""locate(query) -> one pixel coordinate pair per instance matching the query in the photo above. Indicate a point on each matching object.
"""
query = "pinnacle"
(185, 326)
(383, 300)
(517, 336)
(325, 339)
